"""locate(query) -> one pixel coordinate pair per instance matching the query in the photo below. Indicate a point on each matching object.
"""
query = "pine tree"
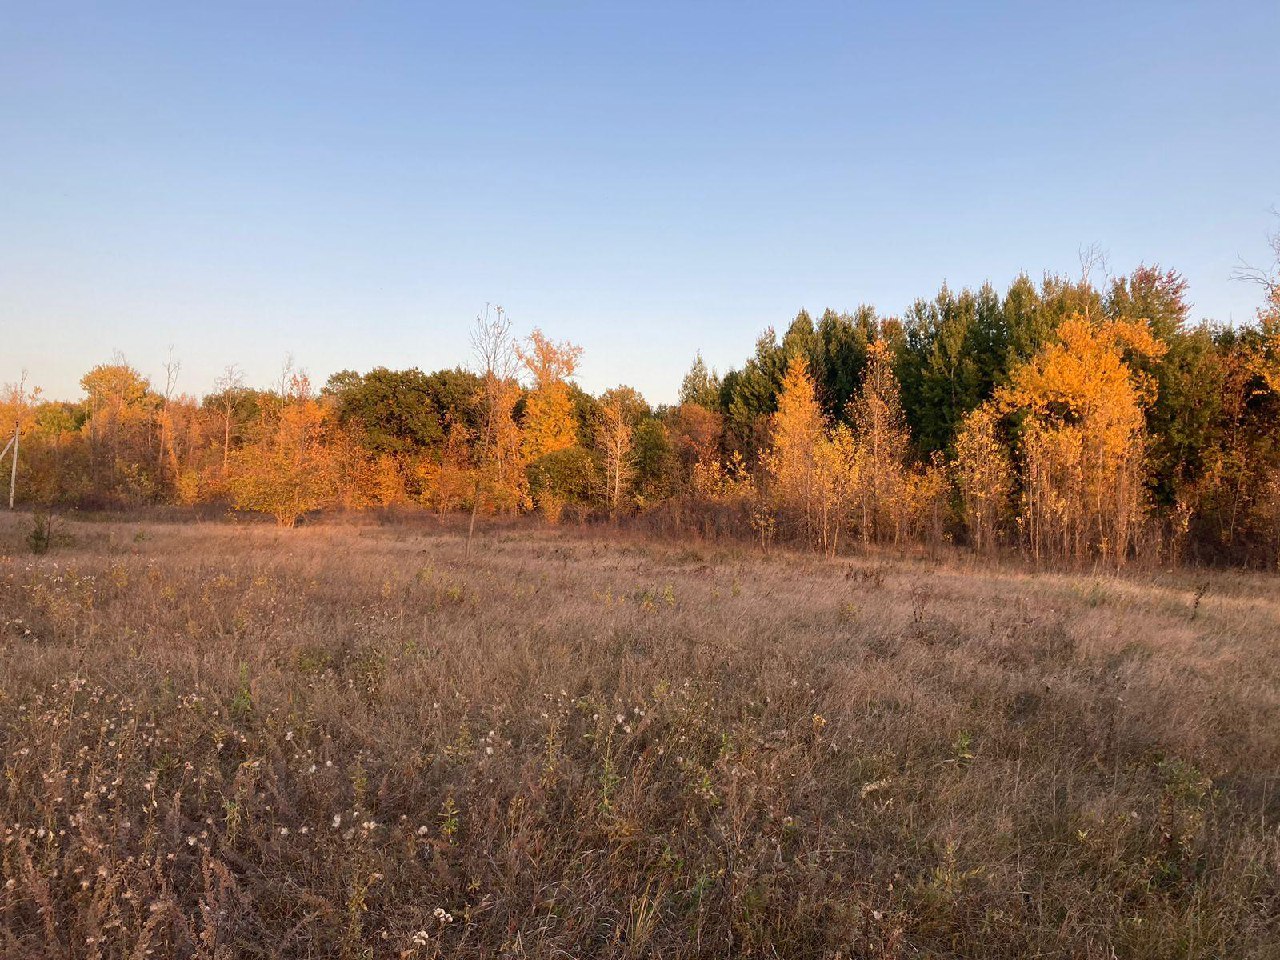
(700, 385)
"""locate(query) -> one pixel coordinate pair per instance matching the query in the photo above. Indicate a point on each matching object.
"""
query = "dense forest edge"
(1070, 420)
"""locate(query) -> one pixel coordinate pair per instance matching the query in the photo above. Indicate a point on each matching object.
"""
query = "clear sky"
(350, 182)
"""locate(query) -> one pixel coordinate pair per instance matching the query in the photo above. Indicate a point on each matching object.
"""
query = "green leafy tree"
(657, 468)
(392, 411)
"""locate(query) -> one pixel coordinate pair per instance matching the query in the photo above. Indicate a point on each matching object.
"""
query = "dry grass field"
(225, 740)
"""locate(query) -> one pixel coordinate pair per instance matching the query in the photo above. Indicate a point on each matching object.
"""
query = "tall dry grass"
(350, 741)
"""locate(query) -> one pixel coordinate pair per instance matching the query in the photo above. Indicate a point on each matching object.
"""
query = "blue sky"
(350, 183)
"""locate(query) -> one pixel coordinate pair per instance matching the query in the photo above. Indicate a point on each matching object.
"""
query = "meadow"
(225, 740)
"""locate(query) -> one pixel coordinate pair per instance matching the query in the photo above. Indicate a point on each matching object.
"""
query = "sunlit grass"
(224, 741)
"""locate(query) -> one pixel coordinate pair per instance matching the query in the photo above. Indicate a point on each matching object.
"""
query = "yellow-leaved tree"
(836, 479)
(450, 481)
(615, 438)
(288, 466)
(498, 469)
(985, 476)
(550, 429)
(797, 429)
(820, 475)
(882, 442)
(549, 425)
(1081, 405)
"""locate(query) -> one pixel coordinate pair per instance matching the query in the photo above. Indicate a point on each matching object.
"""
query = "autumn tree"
(797, 429)
(499, 479)
(288, 466)
(985, 477)
(1081, 406)
(233, 407)
(121, 431)
(617, 416)
(550, 428)
(882, 445)
(449, 481)
(54, 466)
(696, 434)
(1232, 501)
(1266, 514)
(835, 487)
(549, 424)
(18, 419)
(19, 405)
(167, 467)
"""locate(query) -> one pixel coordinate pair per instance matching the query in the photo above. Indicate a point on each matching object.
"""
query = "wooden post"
(13, 473)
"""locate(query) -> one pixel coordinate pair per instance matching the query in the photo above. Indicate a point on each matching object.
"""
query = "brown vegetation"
(230, 740)
(1065, 422)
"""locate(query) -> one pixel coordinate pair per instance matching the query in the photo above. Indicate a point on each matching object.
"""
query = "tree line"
(1072, 420)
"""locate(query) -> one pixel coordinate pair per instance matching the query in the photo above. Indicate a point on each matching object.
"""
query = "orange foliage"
(548, 418)
(797, 429)
(881, 446)
(984, 473)
(1082, 404)
(289, 467)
